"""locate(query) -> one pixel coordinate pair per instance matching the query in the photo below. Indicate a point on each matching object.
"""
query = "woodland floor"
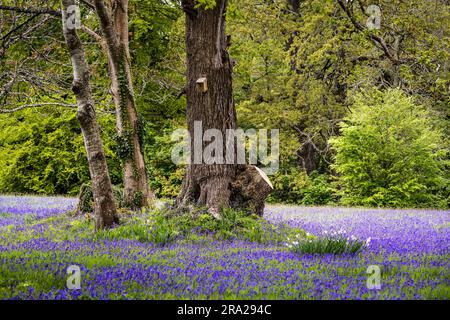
(38, 241)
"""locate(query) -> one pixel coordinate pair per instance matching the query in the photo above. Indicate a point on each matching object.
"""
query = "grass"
(167, 225)
(161, 254)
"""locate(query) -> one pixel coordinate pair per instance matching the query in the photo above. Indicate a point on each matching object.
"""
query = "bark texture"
(114, 26)
(213, 185)
(250, 190)
(104, 205)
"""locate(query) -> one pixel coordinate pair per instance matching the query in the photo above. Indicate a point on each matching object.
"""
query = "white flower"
(295, 243)
(352, 237)
(368, 241)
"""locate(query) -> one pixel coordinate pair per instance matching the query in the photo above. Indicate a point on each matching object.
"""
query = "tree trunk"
(104, 206)
(207, 58)
(115, 29)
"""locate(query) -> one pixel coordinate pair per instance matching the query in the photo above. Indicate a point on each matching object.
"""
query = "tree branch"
(379, 41)
(94, 35)
(37, 105)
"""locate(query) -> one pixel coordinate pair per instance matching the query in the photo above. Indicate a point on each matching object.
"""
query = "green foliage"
(166, 177)
(123, 147)
(319, 191)
(334, 243)
(296, 72)
(296, 187)
(42, 151)
(205, 4)
(167, 225)
(389, 154)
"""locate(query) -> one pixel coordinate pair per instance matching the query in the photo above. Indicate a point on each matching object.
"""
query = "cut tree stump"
(250, 190)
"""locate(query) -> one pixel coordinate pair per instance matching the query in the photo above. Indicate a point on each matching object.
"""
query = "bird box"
(202, 85)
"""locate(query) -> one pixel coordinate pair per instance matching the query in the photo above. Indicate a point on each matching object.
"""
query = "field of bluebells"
(39, 240)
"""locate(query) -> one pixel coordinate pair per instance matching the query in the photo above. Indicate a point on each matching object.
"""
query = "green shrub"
(288, 186)
(332, 243)
(42, 151)
(389, 153)
(319, 191)
(166, 177)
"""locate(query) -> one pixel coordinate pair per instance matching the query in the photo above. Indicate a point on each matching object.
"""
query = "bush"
(166, 177)
(332, 243)
(319, 191)
(389, 154)
(43, 152)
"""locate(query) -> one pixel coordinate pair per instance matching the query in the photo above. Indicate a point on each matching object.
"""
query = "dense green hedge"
(390, 154)
(42, 151)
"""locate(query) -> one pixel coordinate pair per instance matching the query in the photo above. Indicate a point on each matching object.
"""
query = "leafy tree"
(42, 151)
(389, 154)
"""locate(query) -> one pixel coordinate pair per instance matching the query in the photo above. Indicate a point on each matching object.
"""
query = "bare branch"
(52, 12)
(37, 105)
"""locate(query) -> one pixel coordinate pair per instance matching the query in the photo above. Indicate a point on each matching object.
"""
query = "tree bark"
(114, 26)
(104, 205)
(210, 184)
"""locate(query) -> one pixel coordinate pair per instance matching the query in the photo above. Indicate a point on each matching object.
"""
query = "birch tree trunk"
(114, 26)
(104, 205)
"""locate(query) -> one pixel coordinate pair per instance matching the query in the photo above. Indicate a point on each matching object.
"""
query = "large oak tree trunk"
(207, 57)
(114, 26)
(104, 205)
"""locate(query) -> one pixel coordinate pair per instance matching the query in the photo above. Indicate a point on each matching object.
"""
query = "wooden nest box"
(202, 85)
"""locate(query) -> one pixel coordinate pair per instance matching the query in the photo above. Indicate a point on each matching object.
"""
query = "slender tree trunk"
(114, 25)
(104, 205)
(207, 57)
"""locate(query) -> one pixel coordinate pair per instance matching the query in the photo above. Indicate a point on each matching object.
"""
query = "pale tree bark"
(214, 185)
(114, 26)
(104, 205)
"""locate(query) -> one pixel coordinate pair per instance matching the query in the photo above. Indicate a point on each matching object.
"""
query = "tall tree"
(213, 183)
(114, 26)
(208, 184)
(104, 205)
